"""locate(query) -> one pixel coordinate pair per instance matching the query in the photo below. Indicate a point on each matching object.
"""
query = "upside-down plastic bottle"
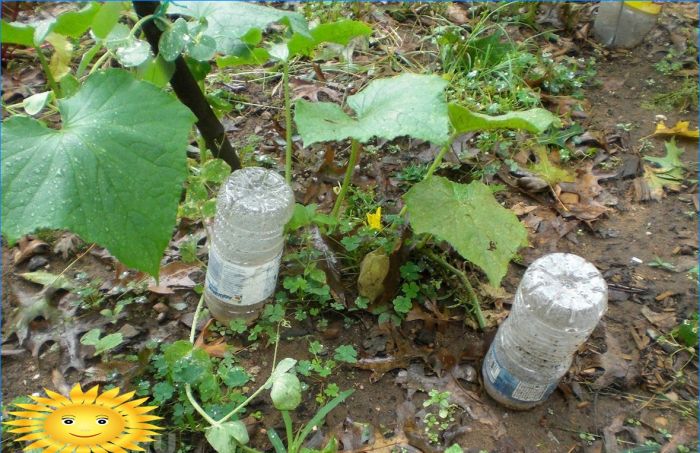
(557, 305)
(245, 249)
(624, 24)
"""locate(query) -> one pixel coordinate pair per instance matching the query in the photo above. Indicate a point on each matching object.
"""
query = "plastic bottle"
(624, 24)
(557, 305)
(253, 206)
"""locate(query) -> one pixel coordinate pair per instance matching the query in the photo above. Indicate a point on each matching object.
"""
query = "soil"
(621, 245)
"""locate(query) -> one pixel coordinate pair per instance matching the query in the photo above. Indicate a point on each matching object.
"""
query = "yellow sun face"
(84, 425)
(86, 422)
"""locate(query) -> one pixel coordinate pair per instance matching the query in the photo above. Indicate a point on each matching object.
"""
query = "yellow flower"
(374, 221)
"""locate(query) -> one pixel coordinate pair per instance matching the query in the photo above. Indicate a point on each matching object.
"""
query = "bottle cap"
(647, 7)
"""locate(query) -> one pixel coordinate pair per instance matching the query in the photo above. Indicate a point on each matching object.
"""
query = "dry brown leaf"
(457, 14)
(66, 245)
(618, 367)
(310, 91)
(663, 320)
(28, 247)
(586, 205)
(414, 379)
(218, 347)
(173, 275)
(521, 208)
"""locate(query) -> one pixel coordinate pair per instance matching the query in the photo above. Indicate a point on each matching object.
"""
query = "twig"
(473, 299)
(71, 264)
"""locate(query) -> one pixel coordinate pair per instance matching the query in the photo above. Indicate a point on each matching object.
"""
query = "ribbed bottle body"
(556, 307)
(247, 241)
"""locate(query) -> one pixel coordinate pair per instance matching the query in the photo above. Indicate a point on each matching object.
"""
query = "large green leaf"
(227, 436)
(17, 33)
(228, 22)
(408, 104)
(340, 32)
(533, 120)
(286, 392)
(470, 219)
(70, 23)
(113, 172)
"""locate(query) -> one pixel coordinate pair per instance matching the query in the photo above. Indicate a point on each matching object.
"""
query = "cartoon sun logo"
(86, 422)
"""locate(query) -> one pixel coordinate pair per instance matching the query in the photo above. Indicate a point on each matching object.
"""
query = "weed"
(104, 344)
(682, 98)
(673, 62)
(661, 264)
(113, 313)
(324, 367)
(587, 437)
(412, 173)
(440, 415)
(247, 151)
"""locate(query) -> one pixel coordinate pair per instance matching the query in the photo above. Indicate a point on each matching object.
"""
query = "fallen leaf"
(666, 173)
(414, 379)
(48, 279)
(611, 433)
(546, 170)
(521, 209)
(173, 275)
(60, 325)
(400, 352)
(665, 295)
(681, 129)
(588, 205)
(66, 245)
(619, 368)
(457, 14)
(31, 306)
(218, 347)
(663, 320)
(310, 91)
(26, 248)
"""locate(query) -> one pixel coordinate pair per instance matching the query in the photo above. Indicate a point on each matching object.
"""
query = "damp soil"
(621, 246)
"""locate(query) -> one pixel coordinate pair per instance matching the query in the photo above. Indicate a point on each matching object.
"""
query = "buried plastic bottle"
(246, 245)
(557, 305)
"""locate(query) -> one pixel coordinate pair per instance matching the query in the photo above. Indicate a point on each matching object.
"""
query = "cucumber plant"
(467, 216)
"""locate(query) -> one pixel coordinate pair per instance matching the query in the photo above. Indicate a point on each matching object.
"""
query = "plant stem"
(248, 449)
(438, 159)
(100, 61)
(87, 58)
(291, 442)
(474, 300)
(47, 72)
(139, 23)
(288, 122)
(354, 152)
(256, 393)
(188, 387)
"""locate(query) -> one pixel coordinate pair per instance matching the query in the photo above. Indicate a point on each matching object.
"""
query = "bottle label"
(241, 285)
(511, 387)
